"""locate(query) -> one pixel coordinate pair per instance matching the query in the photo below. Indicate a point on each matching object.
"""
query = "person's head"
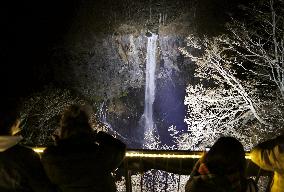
(226, 156)
(9, 116)
(74, 121)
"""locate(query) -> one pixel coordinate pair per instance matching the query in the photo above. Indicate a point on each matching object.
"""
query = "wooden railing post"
(127, 177)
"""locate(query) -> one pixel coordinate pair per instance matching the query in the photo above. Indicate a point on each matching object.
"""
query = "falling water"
(149, 127)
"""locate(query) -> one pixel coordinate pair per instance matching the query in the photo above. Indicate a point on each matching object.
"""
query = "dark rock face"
(103, 58)
(104, 51)
(115, 74)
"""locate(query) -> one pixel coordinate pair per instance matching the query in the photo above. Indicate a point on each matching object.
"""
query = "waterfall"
(149, 126)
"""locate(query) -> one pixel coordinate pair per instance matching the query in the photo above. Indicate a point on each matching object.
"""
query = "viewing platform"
(171, 161)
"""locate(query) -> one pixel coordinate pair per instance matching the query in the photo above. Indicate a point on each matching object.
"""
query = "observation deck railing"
(172, 161)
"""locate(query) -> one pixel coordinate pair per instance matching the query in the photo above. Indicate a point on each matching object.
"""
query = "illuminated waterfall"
(149, 126)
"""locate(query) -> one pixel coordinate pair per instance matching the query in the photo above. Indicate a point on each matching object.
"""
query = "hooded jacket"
(201, 180)
(20, 168)
(269, 156)
(83, 163)
(211, 182)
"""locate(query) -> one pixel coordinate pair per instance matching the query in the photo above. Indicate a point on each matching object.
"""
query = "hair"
(226, 156)
(74, 121)
(9, 113)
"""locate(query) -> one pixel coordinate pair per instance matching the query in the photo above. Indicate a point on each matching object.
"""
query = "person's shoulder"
(23, 149)
(63, 149)
(22, 152)
(195, 181)
(209, 182)
(199, 183)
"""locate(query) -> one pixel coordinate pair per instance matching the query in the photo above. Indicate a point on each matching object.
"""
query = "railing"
(176, 162)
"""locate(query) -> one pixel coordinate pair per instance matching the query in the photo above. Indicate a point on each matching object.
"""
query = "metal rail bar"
(173, 161)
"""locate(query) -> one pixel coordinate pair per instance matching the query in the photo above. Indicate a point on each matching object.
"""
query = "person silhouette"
(221, 169)
(82, 159)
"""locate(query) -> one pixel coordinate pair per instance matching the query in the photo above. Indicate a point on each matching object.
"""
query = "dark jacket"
(211, 182)
(20, 168)
(202, 180)
(83, 163)
(207, 183)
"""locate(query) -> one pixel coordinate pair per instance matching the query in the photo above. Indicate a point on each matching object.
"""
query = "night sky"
(29, 30)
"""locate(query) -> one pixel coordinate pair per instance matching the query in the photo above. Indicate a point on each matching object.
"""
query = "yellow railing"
(177, 162)
(154, 154)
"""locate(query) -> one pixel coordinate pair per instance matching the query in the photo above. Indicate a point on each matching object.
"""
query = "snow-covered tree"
(223, 107)
(41, 114)
(237, 69)
(260, 42)
(216, 111)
